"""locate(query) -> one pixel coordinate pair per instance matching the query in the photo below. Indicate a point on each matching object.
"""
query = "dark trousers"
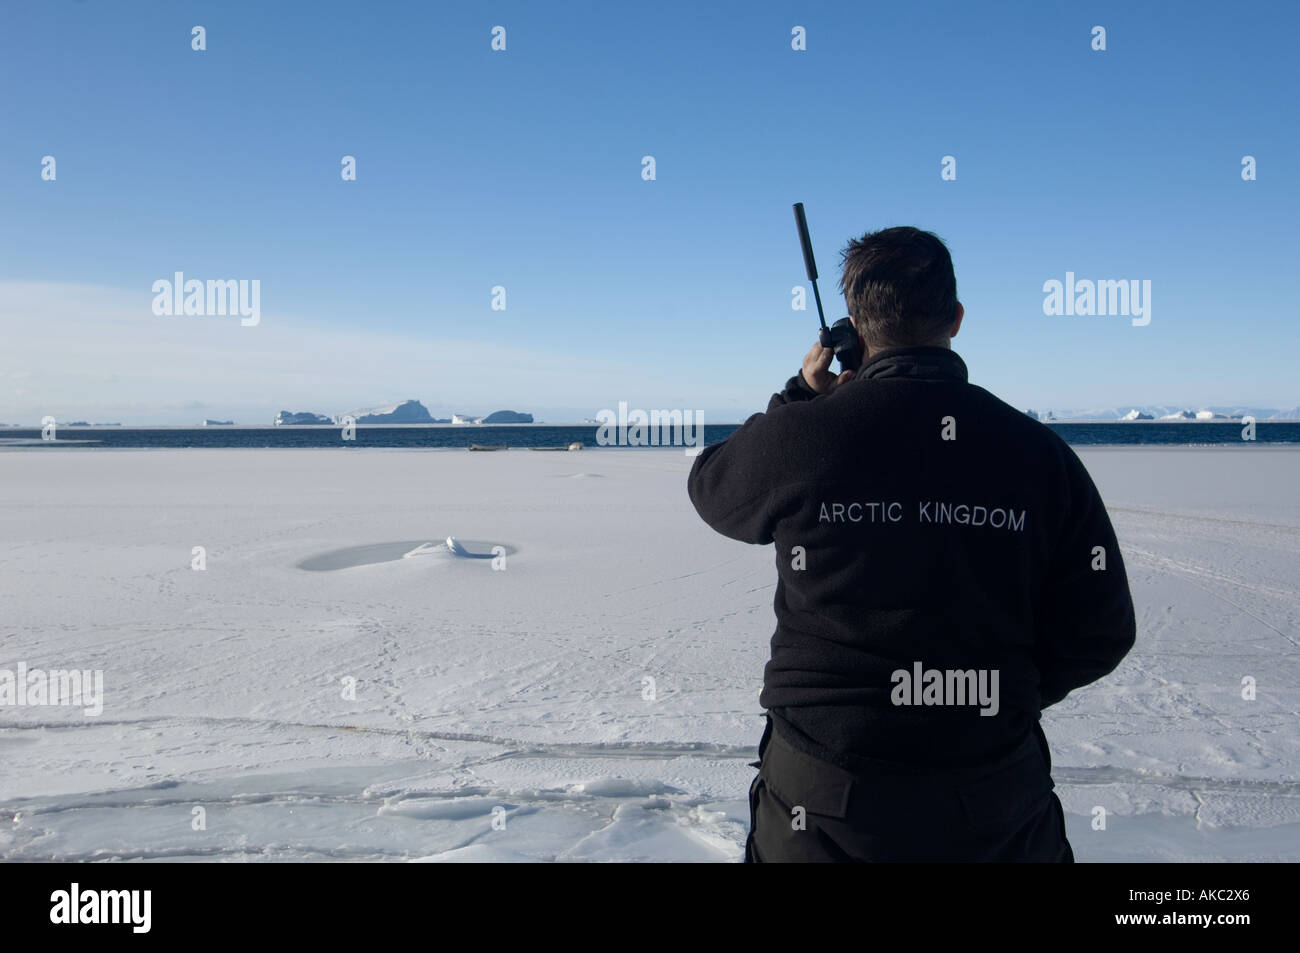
(802, 809)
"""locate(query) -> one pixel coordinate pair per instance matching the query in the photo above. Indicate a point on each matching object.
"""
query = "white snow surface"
(507, 714)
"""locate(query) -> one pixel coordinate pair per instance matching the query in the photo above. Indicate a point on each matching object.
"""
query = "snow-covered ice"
(592, 694)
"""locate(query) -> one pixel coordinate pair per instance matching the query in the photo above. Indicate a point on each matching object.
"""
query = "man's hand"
(817, 370)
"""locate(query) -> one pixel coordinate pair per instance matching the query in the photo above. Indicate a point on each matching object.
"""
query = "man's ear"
(862, 338)
(956, 325)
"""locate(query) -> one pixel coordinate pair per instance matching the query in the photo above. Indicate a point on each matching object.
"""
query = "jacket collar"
(917, 363)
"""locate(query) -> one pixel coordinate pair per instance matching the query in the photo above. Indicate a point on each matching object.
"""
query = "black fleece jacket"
(920, 524)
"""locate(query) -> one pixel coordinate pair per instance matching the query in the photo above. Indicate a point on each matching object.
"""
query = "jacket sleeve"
(796, 389)
(1086, 622)
(732, 482)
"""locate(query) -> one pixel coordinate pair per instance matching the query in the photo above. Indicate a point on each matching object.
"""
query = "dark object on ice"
(488, 446)
(922, 527)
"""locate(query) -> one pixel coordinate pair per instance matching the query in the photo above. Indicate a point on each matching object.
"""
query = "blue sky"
(523, 169)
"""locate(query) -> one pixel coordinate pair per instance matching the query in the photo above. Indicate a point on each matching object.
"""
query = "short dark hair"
(900, 287)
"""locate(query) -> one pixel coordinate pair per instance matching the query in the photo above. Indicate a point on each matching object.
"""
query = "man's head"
(900, 289)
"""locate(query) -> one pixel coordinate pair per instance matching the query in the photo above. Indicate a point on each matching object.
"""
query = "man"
(946, 569)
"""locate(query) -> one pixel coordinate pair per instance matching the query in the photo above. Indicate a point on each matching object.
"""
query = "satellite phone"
(842, 336)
